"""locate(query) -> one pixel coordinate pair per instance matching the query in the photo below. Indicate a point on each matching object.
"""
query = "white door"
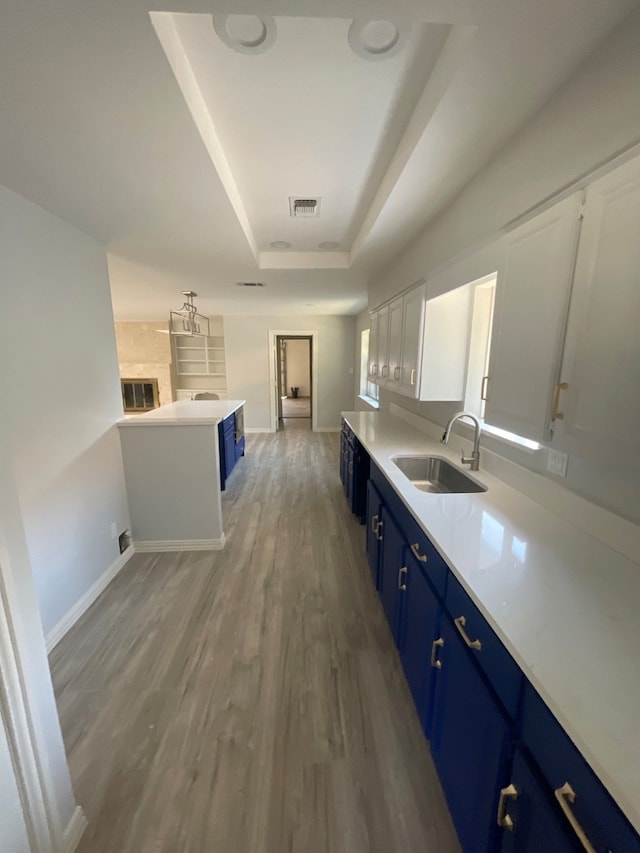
(601, 405)
(394, 344)
(531, 304)
(412, 330)
(13, 831)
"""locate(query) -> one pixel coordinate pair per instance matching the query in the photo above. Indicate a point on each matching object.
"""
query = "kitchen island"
(172, 464)
(560, 600)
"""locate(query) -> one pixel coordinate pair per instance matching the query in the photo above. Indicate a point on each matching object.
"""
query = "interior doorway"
(294, 371)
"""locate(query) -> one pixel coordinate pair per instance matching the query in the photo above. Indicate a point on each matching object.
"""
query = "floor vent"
(300, 207)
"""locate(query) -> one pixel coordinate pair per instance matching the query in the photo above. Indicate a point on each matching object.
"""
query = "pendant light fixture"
(187, 321)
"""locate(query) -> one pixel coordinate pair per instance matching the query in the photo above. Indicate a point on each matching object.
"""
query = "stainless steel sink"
(436, 474)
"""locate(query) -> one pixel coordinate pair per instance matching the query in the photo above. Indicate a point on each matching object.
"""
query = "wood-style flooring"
(250, 700)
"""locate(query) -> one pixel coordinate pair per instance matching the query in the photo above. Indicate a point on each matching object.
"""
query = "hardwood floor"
(250, 700)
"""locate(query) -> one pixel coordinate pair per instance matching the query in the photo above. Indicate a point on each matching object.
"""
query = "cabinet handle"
(415, 550)
(412, 380)
(564, 796)
(383, 370)
(374, 523)
(401, 573)
(434, 653)
(504, 820)
(374, 369)
(483, 388)
(555, 414)
(460, 623)
(351, 467)
(396, 373)
(378, 534)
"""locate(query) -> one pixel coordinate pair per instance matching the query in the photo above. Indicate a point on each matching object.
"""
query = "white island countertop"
(565, 604)
(185, 412)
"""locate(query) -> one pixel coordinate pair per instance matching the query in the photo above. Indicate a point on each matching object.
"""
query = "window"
(367, 388)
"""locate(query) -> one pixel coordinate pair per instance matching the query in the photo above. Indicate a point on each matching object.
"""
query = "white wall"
(247, 353)
(594, 117)
(298, 367)
(61, 399)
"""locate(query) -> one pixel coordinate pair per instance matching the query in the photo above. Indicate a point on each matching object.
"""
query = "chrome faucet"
(474, 459)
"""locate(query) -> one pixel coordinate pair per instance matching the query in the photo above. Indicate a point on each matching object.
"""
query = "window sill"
(369, 401)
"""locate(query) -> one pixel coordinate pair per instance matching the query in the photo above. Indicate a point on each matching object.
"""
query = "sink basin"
(436, 474)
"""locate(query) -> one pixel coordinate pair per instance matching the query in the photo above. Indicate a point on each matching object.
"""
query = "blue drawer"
(494, 660)
(561, 763)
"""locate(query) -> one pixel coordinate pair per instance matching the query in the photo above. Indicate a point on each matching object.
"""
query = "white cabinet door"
(529, 321)
(383, 345)
(373, 347)
(395, 344)
(445, 345)
(601, 405)
(412, 326)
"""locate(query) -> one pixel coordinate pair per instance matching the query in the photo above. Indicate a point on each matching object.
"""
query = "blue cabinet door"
(349, 475)
(470, 742)
(229, 451)
(343, 459)
(391, 569)
(420, 612)
(374, 513)
(529, 820)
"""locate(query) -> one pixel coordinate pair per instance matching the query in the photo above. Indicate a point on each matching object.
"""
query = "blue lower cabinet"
(240, 447)
(374, 537)
(391, 569)
(471, 742)
(526, 816)
(419, 641)
(579, 798)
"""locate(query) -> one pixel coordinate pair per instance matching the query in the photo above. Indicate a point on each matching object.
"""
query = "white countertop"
(563, 603)
(185, 412)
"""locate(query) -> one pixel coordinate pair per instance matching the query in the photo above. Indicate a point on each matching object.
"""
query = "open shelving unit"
(200, 363)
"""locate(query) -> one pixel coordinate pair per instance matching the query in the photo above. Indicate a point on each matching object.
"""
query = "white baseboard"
(73, 833)
(155, 545)
(71, 617)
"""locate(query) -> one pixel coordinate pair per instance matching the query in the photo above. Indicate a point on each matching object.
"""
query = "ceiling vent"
(249, 284)
(301, 207)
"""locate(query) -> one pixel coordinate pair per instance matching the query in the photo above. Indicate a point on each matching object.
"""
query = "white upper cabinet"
(383, 344)
(392, 381)
(531, 305)
(412, 329)
(372, 369)
(445, 345)
(599, 411)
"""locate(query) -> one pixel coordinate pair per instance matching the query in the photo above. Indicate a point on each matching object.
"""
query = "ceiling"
(177, 135)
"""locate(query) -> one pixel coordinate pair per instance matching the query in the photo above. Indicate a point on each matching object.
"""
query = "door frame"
(274, 380)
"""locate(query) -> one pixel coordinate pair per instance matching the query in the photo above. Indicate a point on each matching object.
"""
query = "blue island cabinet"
(227, 448)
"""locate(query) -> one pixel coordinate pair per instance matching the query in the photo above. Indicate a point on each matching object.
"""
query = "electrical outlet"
(557, 462)
(114, 530)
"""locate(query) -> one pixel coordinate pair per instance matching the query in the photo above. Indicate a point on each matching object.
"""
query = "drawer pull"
(374, 523)
(412, 380)
(401, 584)
(383, 370)
(460, 623)
(504, 820)
(378, 534)
(566, 795)
(415, 550)
(434, 653)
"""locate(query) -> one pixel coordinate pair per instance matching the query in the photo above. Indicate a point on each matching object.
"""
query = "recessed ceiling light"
(328, 244)
(280, 244)
(246, 33)
(376, 39)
